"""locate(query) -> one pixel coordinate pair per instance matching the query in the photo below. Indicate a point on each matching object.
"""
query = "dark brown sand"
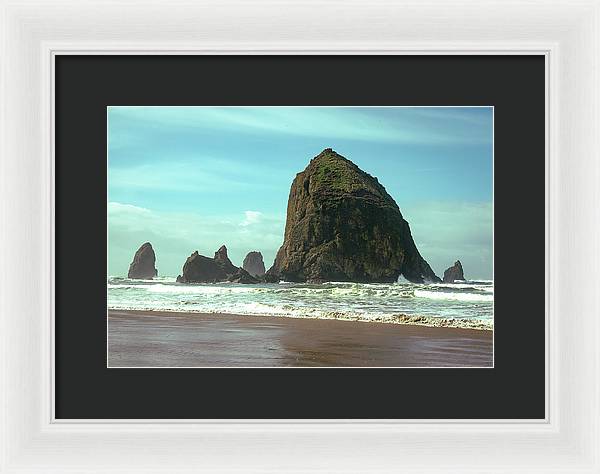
(164, 339)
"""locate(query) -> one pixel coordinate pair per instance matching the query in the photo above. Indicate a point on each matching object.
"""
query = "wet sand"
(164, 339)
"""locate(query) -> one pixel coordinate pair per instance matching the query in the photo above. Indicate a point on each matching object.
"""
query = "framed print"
(347, 253)
(256, 239)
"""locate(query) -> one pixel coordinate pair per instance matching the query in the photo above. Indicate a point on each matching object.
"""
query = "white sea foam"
(463, 305)
(438, 295)
(402, 279)
(255, 309)
(462, 285)
(201, 290)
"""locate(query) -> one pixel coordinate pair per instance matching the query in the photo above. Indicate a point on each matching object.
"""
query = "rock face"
(342, 225)
(254, 264)
(242, 276)
(200, 269)
(455, 272)
(143, 263)
(222, 260)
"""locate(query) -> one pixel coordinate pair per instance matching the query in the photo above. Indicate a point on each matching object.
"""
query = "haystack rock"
(143, 263)
(254, 264)
(200, 269)
(455, 272)
(342, 225)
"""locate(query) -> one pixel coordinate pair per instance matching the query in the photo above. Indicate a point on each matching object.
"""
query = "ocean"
(468, 304)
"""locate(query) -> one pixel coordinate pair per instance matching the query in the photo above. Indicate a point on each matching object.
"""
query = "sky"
(195, 178)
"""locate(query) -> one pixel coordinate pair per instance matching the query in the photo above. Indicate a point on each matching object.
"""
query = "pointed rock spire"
(455, 272)
(143, 263)
(254, 264)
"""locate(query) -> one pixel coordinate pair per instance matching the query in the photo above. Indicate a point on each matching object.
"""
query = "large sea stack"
(455, 272)
(342, 225)
(200, 269)
(254, 264)
(143, 263)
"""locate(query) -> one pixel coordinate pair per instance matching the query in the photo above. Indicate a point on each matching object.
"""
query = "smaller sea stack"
(455, 272)
(254, 264)
(143, 263)
(201, 269)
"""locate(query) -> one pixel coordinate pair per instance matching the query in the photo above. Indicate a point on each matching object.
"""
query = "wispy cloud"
(446, 231)
(479, 116)
(175, 236)
(251, 217)
(116, 208)
(402, 125)
(203, 175)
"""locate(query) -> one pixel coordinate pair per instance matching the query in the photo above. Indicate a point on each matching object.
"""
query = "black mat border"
(86, 389)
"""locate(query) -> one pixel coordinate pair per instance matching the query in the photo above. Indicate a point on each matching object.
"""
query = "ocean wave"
(459, 286)
(253, 309)
(139, 281)
(381, 302)
(202, 289)
(441, 295)
(334, 291)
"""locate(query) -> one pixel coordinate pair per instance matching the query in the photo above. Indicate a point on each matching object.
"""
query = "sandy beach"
(168, 339)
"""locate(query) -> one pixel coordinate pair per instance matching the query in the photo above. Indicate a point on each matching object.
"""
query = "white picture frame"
(566, 33)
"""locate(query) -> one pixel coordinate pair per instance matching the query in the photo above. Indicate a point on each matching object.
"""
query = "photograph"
(300, 236)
